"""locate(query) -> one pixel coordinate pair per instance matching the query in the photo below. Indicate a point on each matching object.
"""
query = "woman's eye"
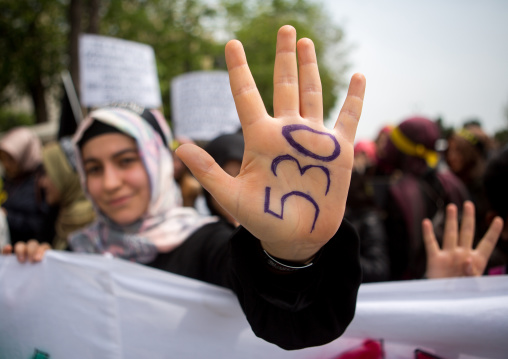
(127, 161)
(91, 170)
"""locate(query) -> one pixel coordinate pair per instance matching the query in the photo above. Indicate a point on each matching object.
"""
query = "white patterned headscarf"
(166, 223)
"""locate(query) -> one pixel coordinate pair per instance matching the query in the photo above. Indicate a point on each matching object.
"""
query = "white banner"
(115, 70)
(202, 105)
(89, 306)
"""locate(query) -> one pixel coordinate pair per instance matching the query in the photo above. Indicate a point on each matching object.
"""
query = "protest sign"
(202, 105)
(115, 70)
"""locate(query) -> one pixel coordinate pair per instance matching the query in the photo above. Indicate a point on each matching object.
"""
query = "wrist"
(285, 266)
(290, 254)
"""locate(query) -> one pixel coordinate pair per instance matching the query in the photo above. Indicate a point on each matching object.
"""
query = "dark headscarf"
(411, 146)
(226, 148)
(495, 182)
(96, 128)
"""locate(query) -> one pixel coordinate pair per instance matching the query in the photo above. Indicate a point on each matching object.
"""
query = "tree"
(174, 28)
(32, 47)
(446, 131)
(40, 39)
(254, 23)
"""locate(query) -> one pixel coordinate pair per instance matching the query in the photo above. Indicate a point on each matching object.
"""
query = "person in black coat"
(21, 197)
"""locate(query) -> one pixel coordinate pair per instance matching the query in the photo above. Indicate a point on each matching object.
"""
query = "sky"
(431, 58)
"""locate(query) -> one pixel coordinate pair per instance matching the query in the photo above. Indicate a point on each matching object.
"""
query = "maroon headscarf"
(420, 133)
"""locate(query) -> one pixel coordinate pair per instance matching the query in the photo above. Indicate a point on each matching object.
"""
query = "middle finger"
(285, 74)
(451, 228)
(31, 249)
(467, 225)
(311, 93)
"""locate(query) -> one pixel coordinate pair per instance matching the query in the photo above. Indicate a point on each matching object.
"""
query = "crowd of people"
(285, 198)
(411, 187)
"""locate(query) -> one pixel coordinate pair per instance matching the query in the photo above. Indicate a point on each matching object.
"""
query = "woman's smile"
(116, 178)
(119, 201)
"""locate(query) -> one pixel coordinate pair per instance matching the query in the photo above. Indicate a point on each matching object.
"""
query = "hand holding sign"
(292, 188)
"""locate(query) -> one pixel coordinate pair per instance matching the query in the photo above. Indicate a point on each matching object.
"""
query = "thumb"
(211, 176)
(7, 249)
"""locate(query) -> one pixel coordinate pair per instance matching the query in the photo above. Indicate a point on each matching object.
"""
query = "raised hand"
(292, 188)
(458, 258)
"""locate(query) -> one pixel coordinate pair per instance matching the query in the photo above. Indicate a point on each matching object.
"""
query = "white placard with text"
(115, 70)
(202, 105)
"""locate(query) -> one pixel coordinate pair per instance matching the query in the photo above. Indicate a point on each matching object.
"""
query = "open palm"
(457, 258)
(292, 188)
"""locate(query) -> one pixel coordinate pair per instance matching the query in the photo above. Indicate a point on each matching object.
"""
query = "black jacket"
(25, 207)
(294, 310)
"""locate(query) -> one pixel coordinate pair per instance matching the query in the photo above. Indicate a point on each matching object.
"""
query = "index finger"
(351, 111)
(7, 249)
(429, 239)
(489, 240)
(249, 104)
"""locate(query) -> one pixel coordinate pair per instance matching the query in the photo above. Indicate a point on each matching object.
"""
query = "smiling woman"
(127, 172)
(115, 176)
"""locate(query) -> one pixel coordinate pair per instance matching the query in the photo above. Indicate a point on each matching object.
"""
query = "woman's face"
(455, 156)
(116, 178)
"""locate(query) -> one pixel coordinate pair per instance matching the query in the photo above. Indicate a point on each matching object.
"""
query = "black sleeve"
(24, 211)
(303, 308)
(47, 230)
(398, 242)
(374, 258)
(307, 307)
(205, 255)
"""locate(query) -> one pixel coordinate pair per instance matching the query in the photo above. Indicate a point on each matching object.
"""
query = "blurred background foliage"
(33, 47)
(40, 39)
